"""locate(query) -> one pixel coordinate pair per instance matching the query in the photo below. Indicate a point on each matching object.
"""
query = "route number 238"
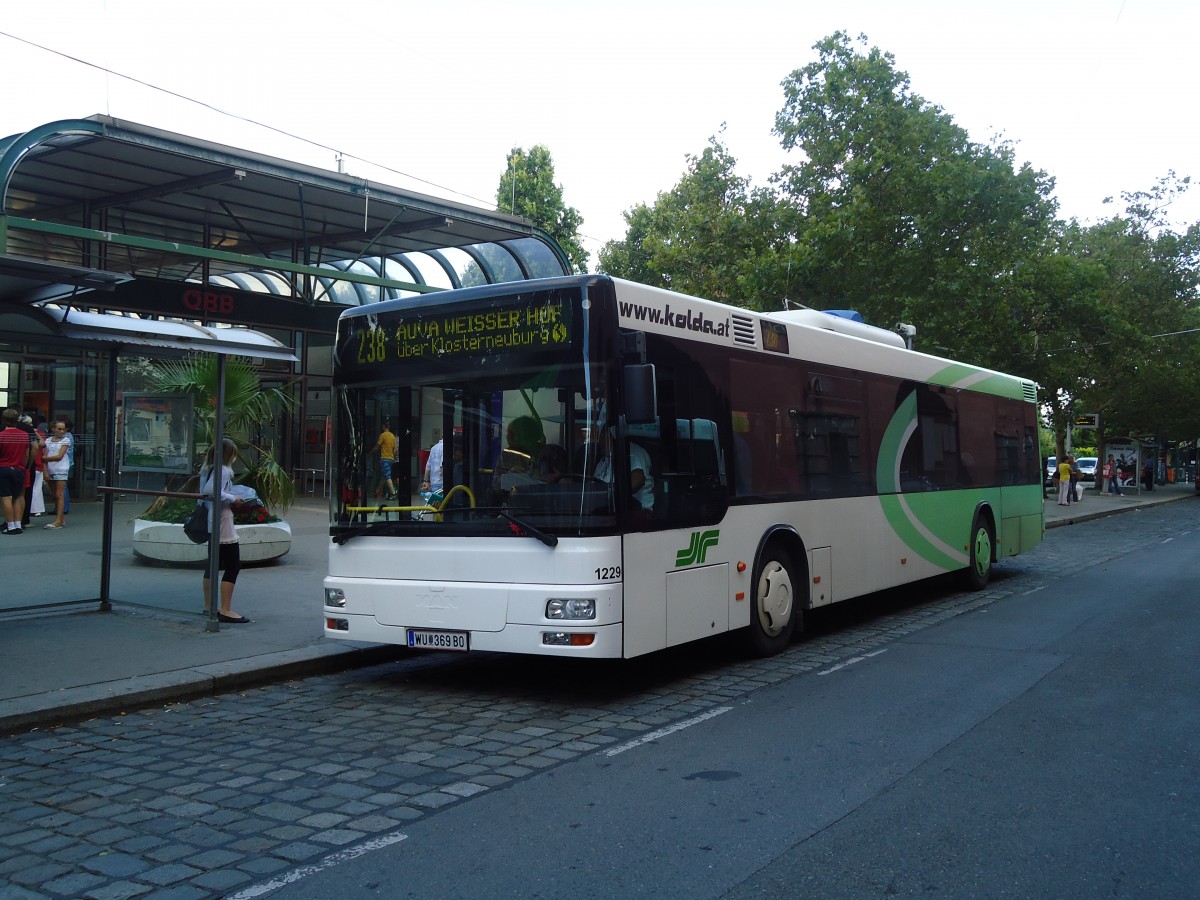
(372, 346)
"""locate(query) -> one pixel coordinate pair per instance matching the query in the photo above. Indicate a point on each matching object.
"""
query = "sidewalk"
(154, 646)
(1097, 504)
(61, 666)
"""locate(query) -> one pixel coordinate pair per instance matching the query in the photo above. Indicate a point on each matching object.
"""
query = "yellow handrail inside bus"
(454, 490)
(436, 510)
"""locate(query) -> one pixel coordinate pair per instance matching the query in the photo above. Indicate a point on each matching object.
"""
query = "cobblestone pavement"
(221, 796)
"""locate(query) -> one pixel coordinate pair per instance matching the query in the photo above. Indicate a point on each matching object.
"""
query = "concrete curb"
(71, 704)
(1075, 519)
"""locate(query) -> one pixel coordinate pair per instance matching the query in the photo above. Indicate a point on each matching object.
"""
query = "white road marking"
(851, 661)
(327, 863)
(670, 729)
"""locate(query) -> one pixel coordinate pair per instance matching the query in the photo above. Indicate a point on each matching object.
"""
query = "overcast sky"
(1101, 94)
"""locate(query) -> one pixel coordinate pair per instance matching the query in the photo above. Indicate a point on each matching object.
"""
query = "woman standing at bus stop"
(1113, 474)
(229, 558)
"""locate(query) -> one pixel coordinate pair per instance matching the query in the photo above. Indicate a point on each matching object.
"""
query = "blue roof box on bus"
(843, 321)
(852, 314)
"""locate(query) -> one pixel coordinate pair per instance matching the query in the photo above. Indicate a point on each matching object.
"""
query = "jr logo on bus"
(693, 554)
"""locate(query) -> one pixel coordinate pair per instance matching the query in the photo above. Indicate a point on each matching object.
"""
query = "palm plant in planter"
(247, 404)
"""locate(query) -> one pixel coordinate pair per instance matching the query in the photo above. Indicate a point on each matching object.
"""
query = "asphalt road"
(1037, 739)
(1043, 745)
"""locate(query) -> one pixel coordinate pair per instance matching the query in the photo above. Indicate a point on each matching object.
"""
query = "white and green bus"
(625, 469)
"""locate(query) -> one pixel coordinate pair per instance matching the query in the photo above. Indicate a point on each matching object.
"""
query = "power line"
(1090, 344)
(338, 154)
(241, 118)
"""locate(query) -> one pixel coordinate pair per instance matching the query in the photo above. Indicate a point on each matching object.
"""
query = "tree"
(1151, 357)
(896, 212)
(1111, 316)
(527, 189)
(1047, 300)
(706, 236)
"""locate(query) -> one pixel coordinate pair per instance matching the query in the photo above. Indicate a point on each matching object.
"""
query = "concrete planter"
(164, 542)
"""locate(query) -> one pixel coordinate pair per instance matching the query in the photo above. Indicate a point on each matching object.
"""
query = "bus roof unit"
(815, 318)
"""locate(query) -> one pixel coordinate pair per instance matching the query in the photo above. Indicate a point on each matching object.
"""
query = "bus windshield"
(435, 441)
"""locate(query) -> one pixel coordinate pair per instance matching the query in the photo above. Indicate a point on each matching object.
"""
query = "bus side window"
(691, 481)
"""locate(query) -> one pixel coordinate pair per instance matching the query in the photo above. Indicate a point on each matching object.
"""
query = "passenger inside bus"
(515, 467)
(552, 464)
(641, 478)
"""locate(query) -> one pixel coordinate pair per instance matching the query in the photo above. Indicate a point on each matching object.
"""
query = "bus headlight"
(571, 609)
(335, 597)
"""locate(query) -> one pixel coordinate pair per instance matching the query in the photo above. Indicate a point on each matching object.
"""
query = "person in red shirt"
(16, 453)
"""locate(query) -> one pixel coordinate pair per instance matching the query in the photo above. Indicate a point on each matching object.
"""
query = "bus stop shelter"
(111, 335)
(120, 240)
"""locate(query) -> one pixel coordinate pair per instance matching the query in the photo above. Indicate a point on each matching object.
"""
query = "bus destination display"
(418, 334)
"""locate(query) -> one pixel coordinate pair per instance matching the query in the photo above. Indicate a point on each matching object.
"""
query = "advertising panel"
(156, 432)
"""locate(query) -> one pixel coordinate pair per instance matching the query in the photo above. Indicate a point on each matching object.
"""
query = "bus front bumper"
(558, 639)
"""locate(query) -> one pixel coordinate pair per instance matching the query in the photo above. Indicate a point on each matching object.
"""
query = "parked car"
(1087, 470)
(1087, 466)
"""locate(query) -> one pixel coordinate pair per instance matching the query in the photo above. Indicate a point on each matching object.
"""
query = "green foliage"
(527, 189)
(898, 214)
(1140, 345)
(174, 510)
(892, 210)
(247, 403)
(706, 236)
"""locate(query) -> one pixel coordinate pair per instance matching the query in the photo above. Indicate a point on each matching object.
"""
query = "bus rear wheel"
(980, 552)
(776, 603)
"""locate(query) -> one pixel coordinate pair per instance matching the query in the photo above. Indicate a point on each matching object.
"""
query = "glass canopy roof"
(106, 201)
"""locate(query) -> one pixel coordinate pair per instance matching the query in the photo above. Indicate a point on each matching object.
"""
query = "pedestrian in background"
(58, 468)
(25, 423)
(1113, 474)
(1076, 477)
(1064, 481)
(36, 506)
(386, 445)
(15, 454)
(432, 482)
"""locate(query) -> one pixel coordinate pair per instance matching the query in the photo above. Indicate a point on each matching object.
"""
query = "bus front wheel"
(980, 552)
(776, 603)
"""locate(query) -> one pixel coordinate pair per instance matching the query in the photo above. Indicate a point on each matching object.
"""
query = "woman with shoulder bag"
(229, 558)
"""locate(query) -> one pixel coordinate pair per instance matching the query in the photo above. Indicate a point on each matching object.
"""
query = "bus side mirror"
(641, 394)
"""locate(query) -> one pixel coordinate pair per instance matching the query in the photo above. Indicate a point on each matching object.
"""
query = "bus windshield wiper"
(518, 526)
(349, 534)
(549, 540)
